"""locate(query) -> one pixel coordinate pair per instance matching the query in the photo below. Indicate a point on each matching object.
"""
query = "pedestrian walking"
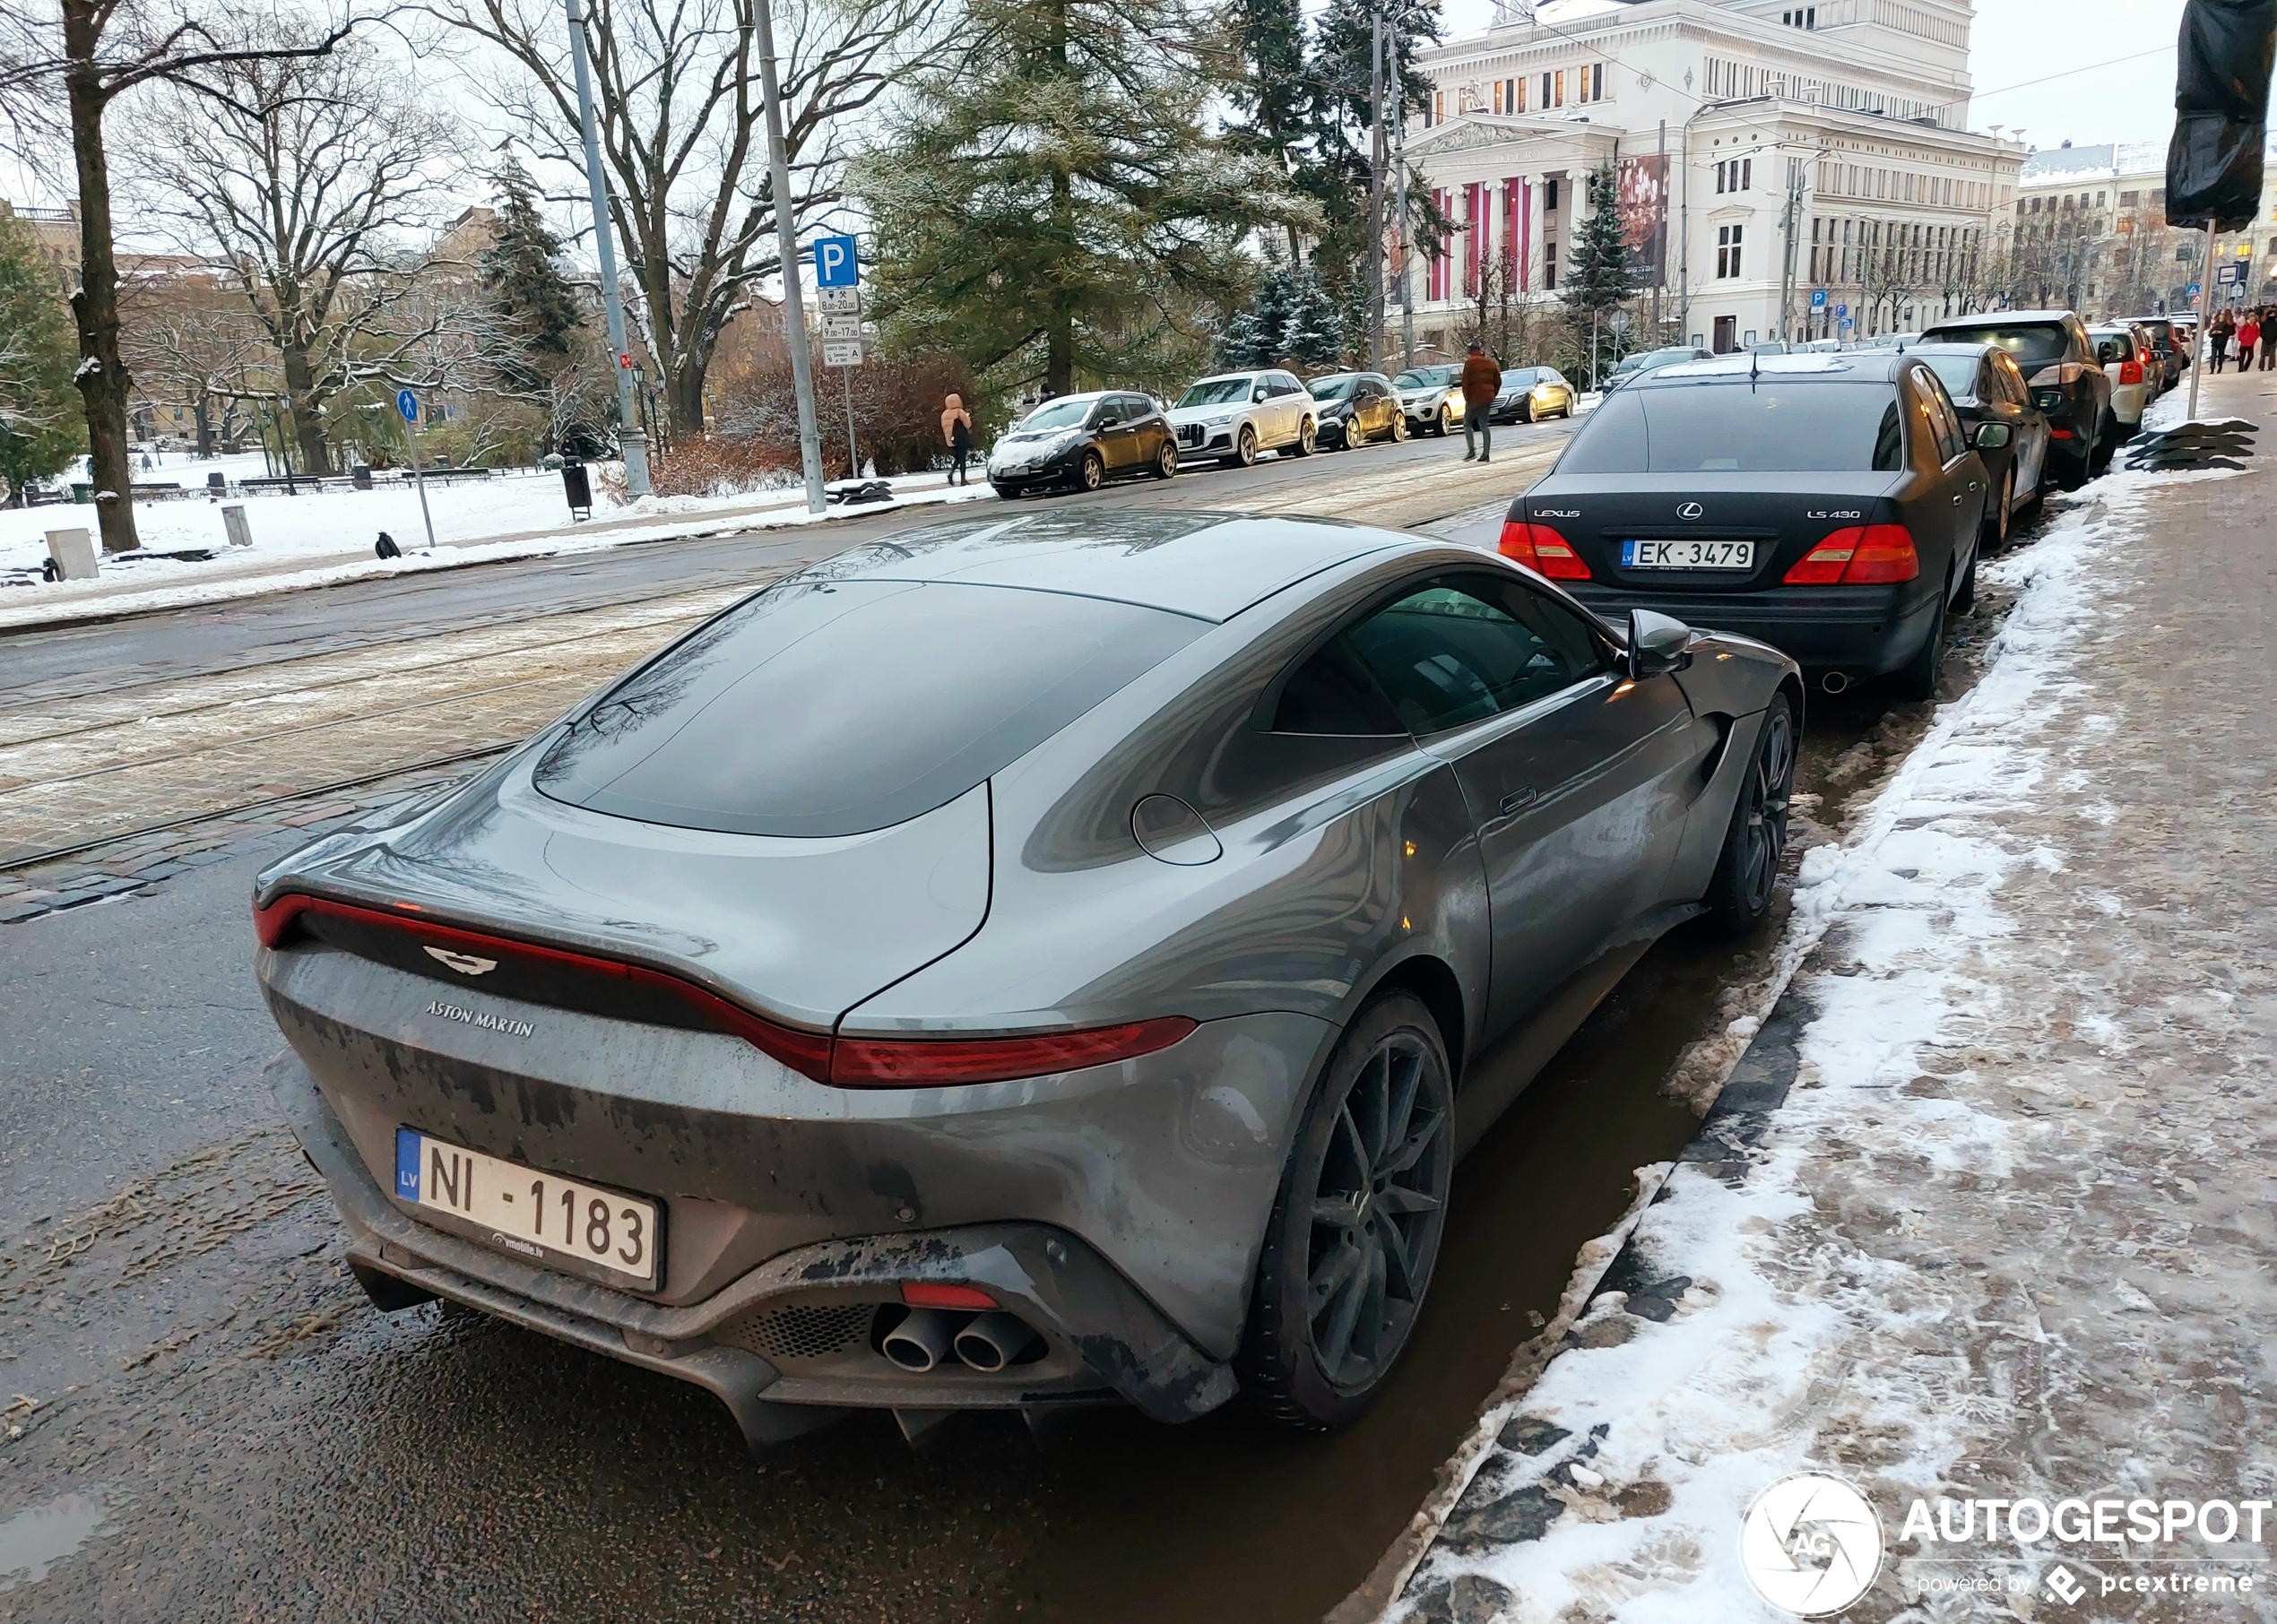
(2248, 339)
(2268, 338)
(2218, 340)
(1482, 382)
(957, 430)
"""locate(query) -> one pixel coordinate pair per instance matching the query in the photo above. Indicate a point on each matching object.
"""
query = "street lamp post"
(786, 242)
(629, 430)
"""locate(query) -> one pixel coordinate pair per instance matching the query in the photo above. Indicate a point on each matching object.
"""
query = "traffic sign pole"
(407, 404)
(2205, 299)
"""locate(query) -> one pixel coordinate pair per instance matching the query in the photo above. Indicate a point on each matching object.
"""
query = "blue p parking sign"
(1818, 298)
(407, 404)
(835, 264)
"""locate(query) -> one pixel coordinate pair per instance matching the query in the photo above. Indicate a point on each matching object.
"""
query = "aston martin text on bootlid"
(1026, 963)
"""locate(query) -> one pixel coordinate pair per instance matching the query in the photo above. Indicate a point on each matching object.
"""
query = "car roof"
(1850, 366)
(2005, 318)
(1952, 347)
(1209, 566)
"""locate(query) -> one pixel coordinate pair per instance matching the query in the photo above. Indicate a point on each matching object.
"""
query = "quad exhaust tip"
(993, 1341)
(922, 1340)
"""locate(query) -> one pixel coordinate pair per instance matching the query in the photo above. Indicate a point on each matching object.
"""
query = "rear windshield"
(1790, 425)
(821, 708)
(1958, 373)
(2033, 345)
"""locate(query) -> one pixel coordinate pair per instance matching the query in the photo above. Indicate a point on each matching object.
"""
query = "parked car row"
(1833, 505)
(1079, 441)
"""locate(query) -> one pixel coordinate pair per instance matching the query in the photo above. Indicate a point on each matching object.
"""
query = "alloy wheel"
(1094, 472)
(1400, 429)
(1765, 797)
(1245, 447)
(1379, 1206)
(1166, 461)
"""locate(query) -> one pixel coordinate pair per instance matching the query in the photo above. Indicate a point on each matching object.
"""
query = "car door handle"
(1516, 802)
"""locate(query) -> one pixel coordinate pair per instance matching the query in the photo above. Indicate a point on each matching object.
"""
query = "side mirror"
(1992, 436)
(1257, 393)
(1657, 643)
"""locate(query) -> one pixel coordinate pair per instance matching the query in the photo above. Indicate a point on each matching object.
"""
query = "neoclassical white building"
(1799, 169)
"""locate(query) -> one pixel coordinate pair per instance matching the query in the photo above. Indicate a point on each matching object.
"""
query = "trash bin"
(217, 485)
(360, 476)
(577, 486)
(81, 491)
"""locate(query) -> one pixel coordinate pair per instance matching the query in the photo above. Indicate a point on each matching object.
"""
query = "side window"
(1333, 693)
(1281, 383)
(1460, 648)
(1889, 441)
(1944, 425)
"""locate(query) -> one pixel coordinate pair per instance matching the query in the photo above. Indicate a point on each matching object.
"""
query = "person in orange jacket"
(1482, 382)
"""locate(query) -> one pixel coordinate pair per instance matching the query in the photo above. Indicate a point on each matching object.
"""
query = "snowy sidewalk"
(1985, 1215)
(321, 538)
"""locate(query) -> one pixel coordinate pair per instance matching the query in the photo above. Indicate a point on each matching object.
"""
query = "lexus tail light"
(1870, 555)
(1542, 550)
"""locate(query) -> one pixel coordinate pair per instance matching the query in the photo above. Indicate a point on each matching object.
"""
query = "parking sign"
(835, 262)
(1818, 298)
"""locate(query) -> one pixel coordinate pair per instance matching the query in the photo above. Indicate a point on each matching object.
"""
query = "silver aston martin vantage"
(1024, 963)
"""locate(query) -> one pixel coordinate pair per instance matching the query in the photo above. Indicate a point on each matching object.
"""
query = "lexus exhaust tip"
(993, 1341)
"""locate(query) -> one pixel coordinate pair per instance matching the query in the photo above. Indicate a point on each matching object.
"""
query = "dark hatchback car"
(1987, 388)
(1357, 407)
(2058, 359)
(1827, 505)
(1081, 441)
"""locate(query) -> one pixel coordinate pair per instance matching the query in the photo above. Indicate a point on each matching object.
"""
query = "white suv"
(1235, 415)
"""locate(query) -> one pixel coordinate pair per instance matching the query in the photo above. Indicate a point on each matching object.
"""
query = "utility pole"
(1790, 217)
(2205, 306)
(1399, 225)
(1660, 271)
(786, 244)
(1375, 192)
(628, 431)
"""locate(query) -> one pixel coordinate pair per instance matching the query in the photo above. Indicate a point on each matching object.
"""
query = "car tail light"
(1542, 550)
(2130, 372)
(2053, 378)
(1870, 555)
(847, 1062)
(940, 1062)
(937, 1294)
(2059, 434)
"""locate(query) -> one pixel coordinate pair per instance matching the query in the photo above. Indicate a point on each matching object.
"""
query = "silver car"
(1024, 963)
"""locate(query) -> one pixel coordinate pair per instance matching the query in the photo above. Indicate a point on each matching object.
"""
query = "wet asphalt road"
(260, 1444)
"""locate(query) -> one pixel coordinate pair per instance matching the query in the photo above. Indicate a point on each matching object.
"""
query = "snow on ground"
(320, 538)
(1850, 1289)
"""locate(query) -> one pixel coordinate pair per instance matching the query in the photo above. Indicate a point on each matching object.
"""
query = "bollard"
(73, 553)
(233, 521)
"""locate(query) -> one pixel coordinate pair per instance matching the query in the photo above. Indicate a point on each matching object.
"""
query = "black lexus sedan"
(1357, 407)
(1079, 441)
(1827, 505)
(1987, 387)
(2068, 383)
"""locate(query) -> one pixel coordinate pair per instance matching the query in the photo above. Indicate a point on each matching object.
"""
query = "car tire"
(1917, 679)
(1995, 525)
(2106, 442)
(1739, 894)
(1091, 472)
(1442, 423)
(1964, 597)
(1245, 449)
(1004, 490)
(1400, 429)
(2072, 471)
(1313, 1368)
(1166, 461)
(1308, 439)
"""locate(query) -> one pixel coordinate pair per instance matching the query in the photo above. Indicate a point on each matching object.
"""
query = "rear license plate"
(1687, 555)
(534, 1214)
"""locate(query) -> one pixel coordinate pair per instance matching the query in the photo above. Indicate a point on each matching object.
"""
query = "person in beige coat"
(957, 433)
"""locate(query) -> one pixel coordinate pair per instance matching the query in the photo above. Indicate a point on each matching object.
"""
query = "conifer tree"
(41, 427)
(1054, 206)
(520, 274)
(1310, 334)
(1598, 280)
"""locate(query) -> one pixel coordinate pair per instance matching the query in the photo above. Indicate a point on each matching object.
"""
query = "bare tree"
(95, 51)
(301, 181)
(189, 340)
(683, 142)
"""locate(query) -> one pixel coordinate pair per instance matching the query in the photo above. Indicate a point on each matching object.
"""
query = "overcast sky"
(2019, 42)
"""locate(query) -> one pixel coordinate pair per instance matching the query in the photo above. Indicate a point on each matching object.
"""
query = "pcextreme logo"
(1811, 1544)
